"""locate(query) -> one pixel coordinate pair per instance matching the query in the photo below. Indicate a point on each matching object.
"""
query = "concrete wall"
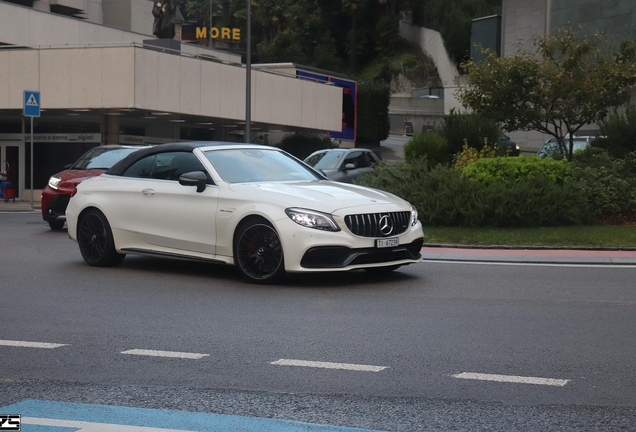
(420, 112)
(522, 19)
(432, 44)
(133, 77)
(141, 18)
(117, 14)
(616, 18)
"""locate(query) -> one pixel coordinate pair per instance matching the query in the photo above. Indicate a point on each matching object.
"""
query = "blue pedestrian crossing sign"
(31, 103)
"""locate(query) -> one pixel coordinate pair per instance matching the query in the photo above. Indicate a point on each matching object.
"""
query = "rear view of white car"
(252, 206)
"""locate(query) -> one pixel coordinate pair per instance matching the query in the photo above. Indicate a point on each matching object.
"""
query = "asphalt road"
(436, 346)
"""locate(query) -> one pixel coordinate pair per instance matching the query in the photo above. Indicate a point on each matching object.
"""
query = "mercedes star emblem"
(386, 225)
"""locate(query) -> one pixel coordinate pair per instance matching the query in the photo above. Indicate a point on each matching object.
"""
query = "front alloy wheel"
(258, 252)
(96, 241)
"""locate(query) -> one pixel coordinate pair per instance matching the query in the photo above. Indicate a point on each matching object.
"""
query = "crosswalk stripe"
(512, 379)
(174, 354)
(30, 344)
(329, 365)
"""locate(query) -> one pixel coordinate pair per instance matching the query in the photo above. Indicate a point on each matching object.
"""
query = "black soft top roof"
(120, 167)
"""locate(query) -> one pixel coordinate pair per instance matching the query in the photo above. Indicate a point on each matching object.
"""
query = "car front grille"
(58, 204)
(377, 224)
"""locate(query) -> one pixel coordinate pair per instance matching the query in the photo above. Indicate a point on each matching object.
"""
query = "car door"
(362, 163)
(168, 214)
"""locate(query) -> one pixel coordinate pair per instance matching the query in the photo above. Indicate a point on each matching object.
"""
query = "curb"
(508, 247)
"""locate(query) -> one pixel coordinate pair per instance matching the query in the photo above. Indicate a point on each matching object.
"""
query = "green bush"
(619, 130)
(301, 145)
(470, 155)
(517, 169)
(443, 197)
(427, 145)
(608, 183)
(470, 129)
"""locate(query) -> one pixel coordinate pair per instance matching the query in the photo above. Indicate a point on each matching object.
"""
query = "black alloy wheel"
(95, 240)
(258, 252)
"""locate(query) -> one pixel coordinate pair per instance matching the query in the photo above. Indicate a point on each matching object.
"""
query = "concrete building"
(104, 80)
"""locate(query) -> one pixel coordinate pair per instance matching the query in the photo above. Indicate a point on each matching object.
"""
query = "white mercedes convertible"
(255, 207)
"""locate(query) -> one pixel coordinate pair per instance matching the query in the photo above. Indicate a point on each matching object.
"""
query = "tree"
(565, 84)
(373, 112)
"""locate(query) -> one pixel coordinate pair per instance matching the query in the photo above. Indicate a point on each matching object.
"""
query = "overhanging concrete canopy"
(135, 77)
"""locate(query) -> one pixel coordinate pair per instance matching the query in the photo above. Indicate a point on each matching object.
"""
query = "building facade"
(104, 79)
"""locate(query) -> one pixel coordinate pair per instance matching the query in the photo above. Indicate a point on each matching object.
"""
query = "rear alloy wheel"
(95, 240)
(258, 252)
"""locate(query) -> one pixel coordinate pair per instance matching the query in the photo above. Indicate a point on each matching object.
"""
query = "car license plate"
(385, 243)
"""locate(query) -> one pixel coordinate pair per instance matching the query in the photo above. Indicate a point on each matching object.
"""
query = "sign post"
(31, 109)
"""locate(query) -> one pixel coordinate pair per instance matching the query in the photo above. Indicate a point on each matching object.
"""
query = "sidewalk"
(530, 255)
(18, 206)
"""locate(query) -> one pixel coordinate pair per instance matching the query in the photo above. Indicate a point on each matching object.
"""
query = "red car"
(61, 187)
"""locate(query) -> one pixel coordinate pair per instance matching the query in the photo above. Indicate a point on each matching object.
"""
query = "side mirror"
(349, 166)
(194, 178)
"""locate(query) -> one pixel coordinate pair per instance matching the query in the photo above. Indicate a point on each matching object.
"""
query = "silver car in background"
(343, 165)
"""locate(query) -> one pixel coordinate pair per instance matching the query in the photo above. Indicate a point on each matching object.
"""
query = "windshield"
(101, 158)
(254, 165)
(326, 160)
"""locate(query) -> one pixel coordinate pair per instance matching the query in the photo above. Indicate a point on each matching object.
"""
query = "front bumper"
(56, 208)
(333, 257)
(311, 250)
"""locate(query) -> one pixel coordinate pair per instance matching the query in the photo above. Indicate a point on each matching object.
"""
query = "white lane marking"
(30, 344)
(174, 354)
(535, 264)
(82, 426)
(329, 365)
(512, 379)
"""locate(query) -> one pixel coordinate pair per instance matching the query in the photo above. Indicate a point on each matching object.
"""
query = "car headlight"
(414, 215)
(312, 219)
(54, 181)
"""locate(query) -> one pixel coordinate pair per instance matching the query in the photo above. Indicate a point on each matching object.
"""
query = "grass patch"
(570, 236)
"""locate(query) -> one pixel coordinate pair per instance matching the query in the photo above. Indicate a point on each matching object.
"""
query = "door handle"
(148, 191)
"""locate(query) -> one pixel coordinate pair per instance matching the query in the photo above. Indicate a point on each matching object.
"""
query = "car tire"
(258, 252)
(57, 225)
(95, 239)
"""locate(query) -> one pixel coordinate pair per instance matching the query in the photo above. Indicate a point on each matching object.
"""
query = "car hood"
(77, 176)
(321, 195)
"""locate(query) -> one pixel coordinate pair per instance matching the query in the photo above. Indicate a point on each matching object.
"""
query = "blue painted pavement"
(47, 416)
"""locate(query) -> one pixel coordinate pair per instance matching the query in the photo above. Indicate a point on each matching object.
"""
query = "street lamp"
(248, 72)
